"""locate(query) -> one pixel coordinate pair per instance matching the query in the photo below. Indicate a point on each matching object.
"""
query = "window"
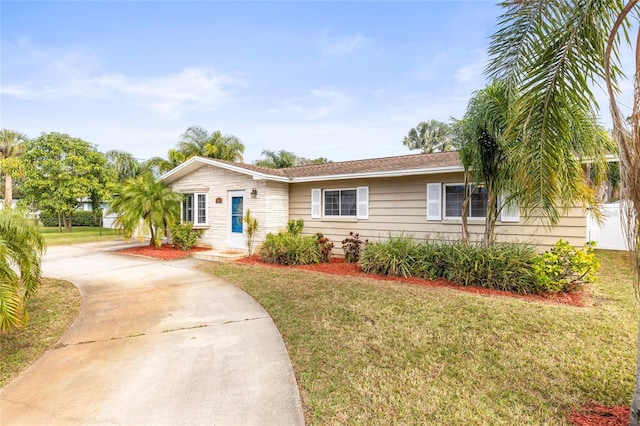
(341, 202)
(194, 209)
(454, 197)
(353, 202)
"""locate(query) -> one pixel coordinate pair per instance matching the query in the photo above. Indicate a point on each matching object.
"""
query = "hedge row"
(80, 218)
(517, 268)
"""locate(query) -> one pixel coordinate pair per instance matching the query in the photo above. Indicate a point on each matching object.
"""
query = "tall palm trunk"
(8, 190)
(465, 210)
(490, 222)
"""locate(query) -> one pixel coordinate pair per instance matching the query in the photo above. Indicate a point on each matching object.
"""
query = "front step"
(218, 256)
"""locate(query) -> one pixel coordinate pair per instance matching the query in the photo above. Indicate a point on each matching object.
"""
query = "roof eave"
(390, 173)
(211, 162)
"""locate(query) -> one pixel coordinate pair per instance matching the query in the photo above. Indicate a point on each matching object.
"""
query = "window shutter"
(316, 203)
(509, 212)
(363, 202)
(434, 200)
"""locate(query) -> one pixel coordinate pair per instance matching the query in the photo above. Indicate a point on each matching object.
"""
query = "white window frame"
(340, 190)
(459, 216)
(318, 203)
(196, 207)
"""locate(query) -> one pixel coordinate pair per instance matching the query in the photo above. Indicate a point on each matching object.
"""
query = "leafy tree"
(144, 201)
(11, 148)
(552, 52)
(21, 247)
(429, 136)
(312, 161)
(60, 171)
(196, 141)
(278, 160)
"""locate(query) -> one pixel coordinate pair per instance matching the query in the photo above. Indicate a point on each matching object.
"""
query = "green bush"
(80, 218)
(294, 227)
(184, 236)
(509, 267)
(565, 268)
(506, 267)
(285, 248)
(395, 256)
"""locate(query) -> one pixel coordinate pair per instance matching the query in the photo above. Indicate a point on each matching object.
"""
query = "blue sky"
(342, 80)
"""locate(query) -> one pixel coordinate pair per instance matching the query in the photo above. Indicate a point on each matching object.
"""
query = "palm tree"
(197, 141)
(11, 148)
(552, 51)
(21, 247)
(123, 164)
(482, 147)
(143, 201)
(159, 166)
(429, 136)
(278, 160)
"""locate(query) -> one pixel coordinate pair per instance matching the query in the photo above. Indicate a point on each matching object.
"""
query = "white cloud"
(35, 74)
(341, 45)
(322, 103)
(196, 88)
(472, 71)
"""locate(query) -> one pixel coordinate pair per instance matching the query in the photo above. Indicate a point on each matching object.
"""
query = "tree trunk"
(152, 242)
(635, 403)
(465, 210)
(59, 222)
(8, 190)
(490, 221)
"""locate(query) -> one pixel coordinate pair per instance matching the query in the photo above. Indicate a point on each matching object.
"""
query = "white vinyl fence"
(608, 235)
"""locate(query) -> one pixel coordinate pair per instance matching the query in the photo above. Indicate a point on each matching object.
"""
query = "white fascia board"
(610, 158)
(237, 169)
(391, 173)
(212, 162)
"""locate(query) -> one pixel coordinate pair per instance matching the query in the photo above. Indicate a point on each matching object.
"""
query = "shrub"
(285, 248)
(395, 257)
(565, 268)
(506, 267)
(184, 236)
(352, 246)
(252, 228)
(325, 246)
(80, 218)
(294, 227)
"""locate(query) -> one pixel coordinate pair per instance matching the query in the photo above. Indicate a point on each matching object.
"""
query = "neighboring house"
(418, 195)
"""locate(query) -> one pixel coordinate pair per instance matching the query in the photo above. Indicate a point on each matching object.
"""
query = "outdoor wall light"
(254, 193)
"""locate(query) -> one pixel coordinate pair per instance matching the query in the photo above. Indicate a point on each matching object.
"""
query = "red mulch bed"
(165, 252)
(598, 415)
(340, 267)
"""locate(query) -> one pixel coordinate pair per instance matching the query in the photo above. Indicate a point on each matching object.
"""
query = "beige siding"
(398, 205)
(270, 207)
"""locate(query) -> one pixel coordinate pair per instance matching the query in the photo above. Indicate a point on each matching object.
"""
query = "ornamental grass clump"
(516, 268)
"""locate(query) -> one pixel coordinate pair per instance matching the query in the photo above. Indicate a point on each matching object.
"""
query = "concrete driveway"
(155, 343)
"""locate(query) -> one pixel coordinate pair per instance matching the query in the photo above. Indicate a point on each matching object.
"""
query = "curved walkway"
(155, 343)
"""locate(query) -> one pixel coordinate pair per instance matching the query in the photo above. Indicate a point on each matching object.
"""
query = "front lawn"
(51, 312)
(79, 234)
(369, 351)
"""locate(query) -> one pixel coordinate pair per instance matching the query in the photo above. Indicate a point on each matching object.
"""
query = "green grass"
(374, 352)
(79, 234)
(51, 312)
